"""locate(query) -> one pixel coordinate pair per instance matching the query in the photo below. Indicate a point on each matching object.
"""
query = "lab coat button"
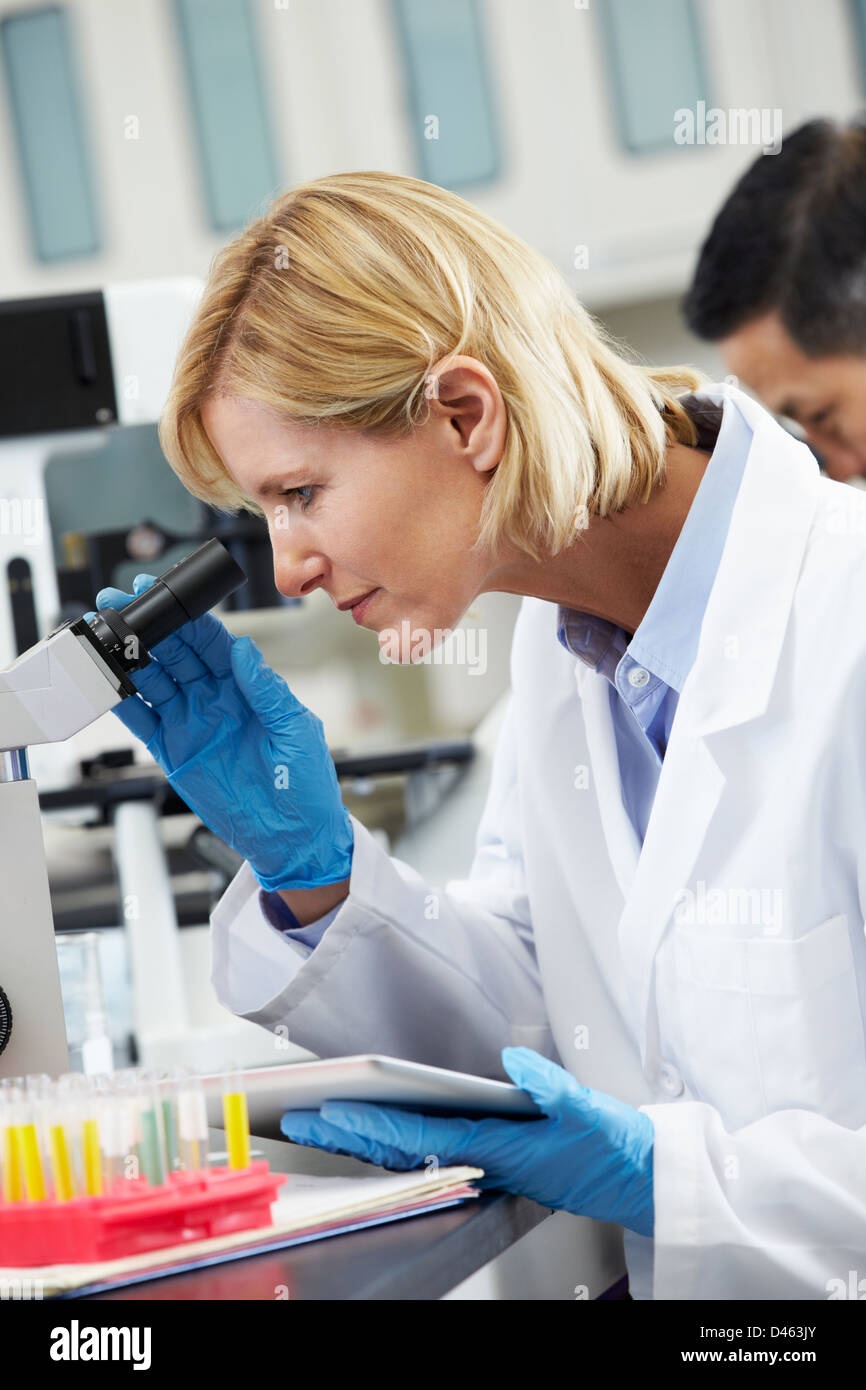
(639, 676)
(670, 1080)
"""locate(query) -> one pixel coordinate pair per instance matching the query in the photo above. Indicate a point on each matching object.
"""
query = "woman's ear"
(463, 393)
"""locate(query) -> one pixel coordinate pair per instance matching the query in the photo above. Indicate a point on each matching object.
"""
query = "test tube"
(122, 1128)
(66, 1136)
(235, 1118)
(10, 1114)
(42, 1097)
(28, 1141)
(168, 1087)
(47, 1107)
(192, 1124)
(152, 1142)
(62, 1123)
(93, 1159)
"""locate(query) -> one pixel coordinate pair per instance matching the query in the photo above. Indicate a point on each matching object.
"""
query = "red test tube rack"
(105, 1168)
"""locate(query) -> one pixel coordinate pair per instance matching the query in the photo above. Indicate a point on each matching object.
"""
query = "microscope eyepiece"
(185, 591)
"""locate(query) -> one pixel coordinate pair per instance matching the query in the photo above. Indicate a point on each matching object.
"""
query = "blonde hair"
(336, 304)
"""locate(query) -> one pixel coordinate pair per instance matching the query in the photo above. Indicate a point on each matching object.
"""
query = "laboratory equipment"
(60, 686)
(88, 1172)
(85, 379)
(84, 1000)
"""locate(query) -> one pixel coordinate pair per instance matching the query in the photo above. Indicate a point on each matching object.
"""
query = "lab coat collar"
(730, 683)
(750, 601)
(749, 605)
(665, 640)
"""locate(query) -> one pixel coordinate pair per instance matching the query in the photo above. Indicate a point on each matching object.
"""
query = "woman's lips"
(361, 607)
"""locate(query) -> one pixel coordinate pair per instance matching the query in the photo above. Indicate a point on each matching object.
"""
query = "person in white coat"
(661, 935)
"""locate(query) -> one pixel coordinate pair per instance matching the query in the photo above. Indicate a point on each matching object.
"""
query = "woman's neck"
(613, 568)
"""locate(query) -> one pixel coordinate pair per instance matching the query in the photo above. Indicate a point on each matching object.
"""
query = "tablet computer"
(271, 1091)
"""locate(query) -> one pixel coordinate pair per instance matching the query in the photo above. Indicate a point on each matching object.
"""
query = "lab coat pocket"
(808, 1022)
(773, 1024)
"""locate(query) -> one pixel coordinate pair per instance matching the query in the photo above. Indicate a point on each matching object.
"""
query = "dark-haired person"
(780, 285)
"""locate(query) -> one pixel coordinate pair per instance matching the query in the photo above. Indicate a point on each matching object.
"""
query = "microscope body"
(75, 365)
(56, 688)
(61, 685)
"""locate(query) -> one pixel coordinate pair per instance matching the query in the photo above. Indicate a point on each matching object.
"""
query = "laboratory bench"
(419, 1257)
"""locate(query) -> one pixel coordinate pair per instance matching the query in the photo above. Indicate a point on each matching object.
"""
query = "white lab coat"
(715, 977)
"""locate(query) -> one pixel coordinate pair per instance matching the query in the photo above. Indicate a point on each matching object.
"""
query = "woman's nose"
(295, 578)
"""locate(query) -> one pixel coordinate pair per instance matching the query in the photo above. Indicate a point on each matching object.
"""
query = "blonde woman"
(661, 936)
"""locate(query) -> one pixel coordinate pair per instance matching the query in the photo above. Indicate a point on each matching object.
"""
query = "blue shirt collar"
(666, 641)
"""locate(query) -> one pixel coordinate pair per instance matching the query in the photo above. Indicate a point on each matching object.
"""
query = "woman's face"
(357, 516)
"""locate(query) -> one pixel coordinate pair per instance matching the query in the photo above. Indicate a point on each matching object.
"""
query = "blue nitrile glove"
(240, 750)
(592, 1155)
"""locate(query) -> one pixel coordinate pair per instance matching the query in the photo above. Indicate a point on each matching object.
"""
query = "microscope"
(84, 377)
(82, 372)
(63, 683)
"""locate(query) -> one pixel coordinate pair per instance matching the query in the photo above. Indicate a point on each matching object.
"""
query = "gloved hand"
(592, 1155)
(240, 750)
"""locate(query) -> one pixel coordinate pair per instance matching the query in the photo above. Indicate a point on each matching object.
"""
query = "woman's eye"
(305, 494)
(820, 417)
